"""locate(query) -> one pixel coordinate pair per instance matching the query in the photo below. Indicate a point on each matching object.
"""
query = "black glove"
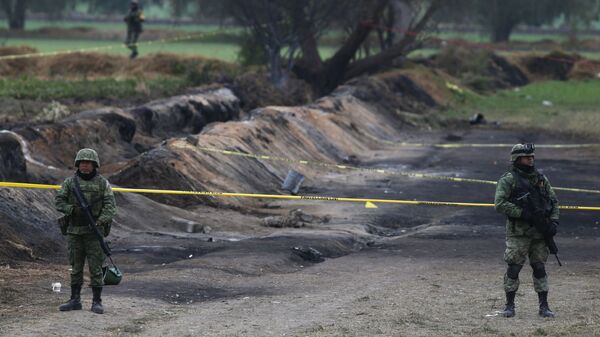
(552, 228)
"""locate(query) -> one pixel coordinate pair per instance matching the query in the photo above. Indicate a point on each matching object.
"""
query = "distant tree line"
(16, 10)
(501, 17)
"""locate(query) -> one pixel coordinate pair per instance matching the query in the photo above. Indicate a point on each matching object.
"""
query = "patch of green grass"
(521, 37)
(222, 51)
(217, 50)
(110, 26)
(564, 106)
(32, 88)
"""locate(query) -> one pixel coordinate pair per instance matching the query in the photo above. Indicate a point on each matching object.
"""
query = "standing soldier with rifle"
(134, 20)
(88, 204)
(525, 196)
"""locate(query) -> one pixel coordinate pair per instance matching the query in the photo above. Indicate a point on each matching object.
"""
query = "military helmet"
(522, 150)
(112, 275)
(87, 154)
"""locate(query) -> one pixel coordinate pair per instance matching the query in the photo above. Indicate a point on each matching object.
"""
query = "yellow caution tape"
(462, 145)
(95, 49)
(367, 201)
(182, 144)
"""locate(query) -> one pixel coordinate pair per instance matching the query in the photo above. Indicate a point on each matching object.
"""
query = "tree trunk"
(340, 67)
(330, 74)
(502, 20)
(384, 58)
(275, 70)
(501, 31)
(15, 12)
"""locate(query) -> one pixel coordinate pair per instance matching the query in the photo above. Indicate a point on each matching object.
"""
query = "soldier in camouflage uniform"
(83, 244)
(523, 240)
(134, 20)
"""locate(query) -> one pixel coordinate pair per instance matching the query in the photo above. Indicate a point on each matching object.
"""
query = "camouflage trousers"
(131, 39)
(518, 249)
(82, 247)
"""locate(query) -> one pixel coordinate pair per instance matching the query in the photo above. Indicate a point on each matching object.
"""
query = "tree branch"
(360, 33)
(385, 57)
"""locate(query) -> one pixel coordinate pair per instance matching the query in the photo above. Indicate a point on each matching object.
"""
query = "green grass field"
(521, 37)
(222, 51)
(221, 47)
(565, 106)
(111, 26)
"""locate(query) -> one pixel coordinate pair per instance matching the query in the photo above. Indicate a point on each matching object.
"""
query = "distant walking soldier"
(525, 196)
(82, 242)
(134, 20)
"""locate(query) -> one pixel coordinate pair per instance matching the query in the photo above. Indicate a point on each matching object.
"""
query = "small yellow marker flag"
(369, 204)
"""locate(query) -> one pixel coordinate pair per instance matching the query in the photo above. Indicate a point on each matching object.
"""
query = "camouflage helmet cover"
(87, 154)
(522, 150)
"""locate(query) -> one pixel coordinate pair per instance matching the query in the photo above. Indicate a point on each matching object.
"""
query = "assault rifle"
(88, 214)
(540, 212)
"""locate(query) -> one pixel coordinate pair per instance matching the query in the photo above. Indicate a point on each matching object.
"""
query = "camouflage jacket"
(134, 20)
(514, 225)
(99, 195)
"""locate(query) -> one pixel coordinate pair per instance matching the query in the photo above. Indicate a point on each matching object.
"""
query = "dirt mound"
(255, 90)
(137, 147)
(16, 50)
(372, 89)
(331, 129)
(80, 65)
(17, 67)
(120, 135)
(45, 152)
(108, 131)
(28, 226)
(12, 160)
(553, 66)
(186, 114)
(479, 69)
(585, 70)
(101, 65)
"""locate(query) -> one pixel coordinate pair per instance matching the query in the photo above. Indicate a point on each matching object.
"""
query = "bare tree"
(295, 27)
(326, 75)
(270, 24)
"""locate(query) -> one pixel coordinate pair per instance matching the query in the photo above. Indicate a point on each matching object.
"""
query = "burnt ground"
(392, 271)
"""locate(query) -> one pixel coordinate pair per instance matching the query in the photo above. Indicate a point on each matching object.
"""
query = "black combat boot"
(544, 308)
(97, 301)
(509, 310)
(75, 302)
